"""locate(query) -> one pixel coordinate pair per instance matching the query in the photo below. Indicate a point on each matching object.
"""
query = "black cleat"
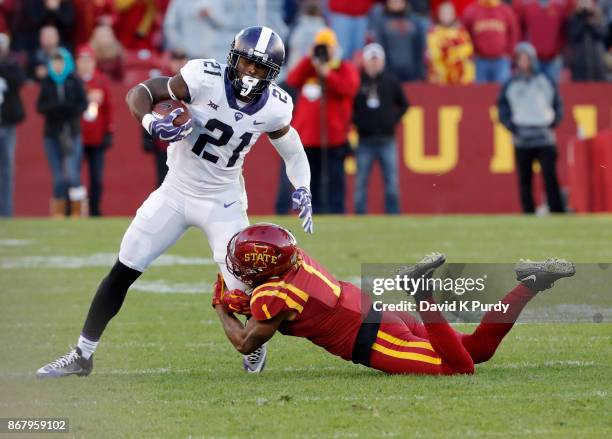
(73, 363)
(540, 276)
(424, 268)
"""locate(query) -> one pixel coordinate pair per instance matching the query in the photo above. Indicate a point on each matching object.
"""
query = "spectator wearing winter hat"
(96, 123)
(530, 108)
(323, 114)
(379, 105)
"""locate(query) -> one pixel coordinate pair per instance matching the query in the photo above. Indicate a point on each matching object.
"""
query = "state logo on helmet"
(261, 251)
(261, 45)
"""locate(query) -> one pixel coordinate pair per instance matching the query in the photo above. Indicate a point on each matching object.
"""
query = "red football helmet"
(261, 251)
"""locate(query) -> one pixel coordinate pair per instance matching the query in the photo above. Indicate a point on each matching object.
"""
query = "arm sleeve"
(290, 148)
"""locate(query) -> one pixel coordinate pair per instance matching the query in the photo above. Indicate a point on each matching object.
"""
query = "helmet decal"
(261, 256)
(261, 251)
(263, 41)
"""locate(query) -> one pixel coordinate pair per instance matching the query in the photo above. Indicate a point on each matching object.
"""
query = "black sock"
(108, 299)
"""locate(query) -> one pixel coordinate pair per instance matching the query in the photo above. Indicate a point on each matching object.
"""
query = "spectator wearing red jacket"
(543, 24)
(327, 86)
(96, 123)
(494, 31)
(349, 20)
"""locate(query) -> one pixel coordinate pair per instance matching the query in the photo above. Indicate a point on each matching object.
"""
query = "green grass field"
(165, 370)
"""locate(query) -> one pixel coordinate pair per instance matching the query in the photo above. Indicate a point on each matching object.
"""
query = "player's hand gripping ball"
(172, 121)
(237, 301)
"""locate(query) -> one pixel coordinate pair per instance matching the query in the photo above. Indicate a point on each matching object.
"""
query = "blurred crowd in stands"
(458, 41)
(128, 41)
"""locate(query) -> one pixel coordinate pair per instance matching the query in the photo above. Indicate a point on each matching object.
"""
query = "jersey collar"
(250, 108)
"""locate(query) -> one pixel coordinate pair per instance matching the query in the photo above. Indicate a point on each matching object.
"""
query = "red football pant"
(433, 347)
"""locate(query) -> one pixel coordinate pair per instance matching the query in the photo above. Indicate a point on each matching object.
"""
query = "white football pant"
(168, 213)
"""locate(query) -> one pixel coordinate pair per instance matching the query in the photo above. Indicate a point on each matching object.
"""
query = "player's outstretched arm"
(289, 146)
(142, 98)
(247, 339)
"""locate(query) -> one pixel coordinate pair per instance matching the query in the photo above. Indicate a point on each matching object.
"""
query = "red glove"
(218, 290)
(237, 301)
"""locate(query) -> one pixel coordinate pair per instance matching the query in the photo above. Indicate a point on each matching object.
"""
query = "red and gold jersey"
(329, 312)
(449, 55)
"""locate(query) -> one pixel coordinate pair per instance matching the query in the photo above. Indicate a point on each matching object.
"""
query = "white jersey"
(224, 129)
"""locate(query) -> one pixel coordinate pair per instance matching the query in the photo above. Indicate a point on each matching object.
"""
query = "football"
(163, 108)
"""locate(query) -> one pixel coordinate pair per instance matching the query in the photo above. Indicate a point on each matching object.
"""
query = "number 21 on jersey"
(215, 126)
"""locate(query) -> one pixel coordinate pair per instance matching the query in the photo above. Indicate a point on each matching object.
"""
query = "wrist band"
(146, 122)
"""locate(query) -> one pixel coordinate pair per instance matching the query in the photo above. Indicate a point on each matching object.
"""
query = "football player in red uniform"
(295, 295)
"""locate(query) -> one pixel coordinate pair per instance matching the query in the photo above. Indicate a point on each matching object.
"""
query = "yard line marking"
(529, 365)
(92, 260)
(16, 242)
(163, 287)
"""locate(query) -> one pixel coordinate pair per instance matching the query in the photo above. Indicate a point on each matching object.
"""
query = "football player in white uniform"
(231, 106)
